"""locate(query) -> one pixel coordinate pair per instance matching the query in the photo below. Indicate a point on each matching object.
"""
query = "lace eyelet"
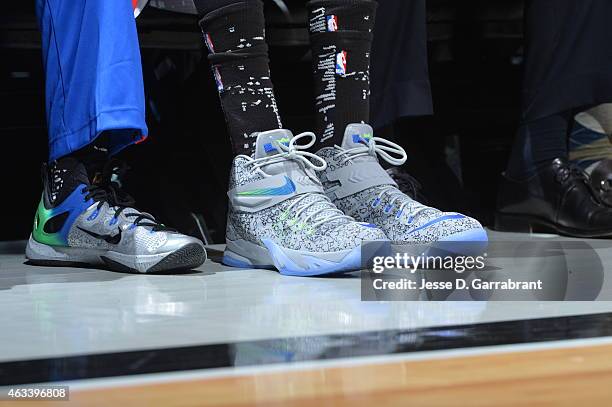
(399, 214)
(388, 209)
(376, 202)
(94, 215)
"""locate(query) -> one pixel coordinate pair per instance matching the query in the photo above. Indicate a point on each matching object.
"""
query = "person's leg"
(93, 74)
(95, 107)
(590, 137)
(235, 36)
(566, 68)
(278, 214)
(341, 40)
(538, 143)
(590, 148)
(399, 65)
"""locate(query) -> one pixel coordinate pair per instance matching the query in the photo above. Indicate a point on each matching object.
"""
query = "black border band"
(306, 348)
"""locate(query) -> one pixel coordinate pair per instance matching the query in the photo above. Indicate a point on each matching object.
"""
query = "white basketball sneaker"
(355, 181)
(280, 217)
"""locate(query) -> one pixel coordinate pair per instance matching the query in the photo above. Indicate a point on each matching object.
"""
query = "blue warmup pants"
(93, 74)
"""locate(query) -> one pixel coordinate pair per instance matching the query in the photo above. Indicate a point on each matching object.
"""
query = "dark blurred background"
(180, 173)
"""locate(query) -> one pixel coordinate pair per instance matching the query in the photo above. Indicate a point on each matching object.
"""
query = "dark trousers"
(568, 56)
(399, 71)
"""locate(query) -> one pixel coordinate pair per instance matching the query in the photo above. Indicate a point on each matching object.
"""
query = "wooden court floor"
(578, 376)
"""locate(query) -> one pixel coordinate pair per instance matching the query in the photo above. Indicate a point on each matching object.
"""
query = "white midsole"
(40, 251)
(260, 256)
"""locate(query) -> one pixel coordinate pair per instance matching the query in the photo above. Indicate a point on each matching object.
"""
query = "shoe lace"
(327, 211)
(393, 154)
(106, 189)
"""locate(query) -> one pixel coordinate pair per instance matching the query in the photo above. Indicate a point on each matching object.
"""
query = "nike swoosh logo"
(115, 239)
(437, 220)
(287, 189)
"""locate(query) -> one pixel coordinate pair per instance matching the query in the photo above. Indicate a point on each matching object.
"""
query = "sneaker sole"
(288, 262)
(185, 258)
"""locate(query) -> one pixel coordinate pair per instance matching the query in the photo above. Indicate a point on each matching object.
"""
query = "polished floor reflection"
(61, 312)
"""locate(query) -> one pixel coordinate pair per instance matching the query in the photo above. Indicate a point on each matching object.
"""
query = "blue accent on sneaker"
(437, 220)
(287, 189)
(311, 265)
(232, 262)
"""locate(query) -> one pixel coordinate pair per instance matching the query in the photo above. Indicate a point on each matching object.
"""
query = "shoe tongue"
(72, 169)
(357, 135)
(266, 142)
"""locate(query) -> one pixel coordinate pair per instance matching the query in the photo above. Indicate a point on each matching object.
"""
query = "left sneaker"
(280, 218)
(356, 182)
(85, 221)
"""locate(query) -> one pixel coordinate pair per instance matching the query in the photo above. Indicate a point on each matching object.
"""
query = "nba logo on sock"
(332, 23)
(218, 79)
(209, 43)
(341, 63)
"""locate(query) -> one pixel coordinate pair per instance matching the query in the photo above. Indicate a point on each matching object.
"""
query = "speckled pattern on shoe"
(280, 217)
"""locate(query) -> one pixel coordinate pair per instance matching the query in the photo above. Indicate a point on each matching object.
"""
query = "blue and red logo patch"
(341, 63)
(332, 23)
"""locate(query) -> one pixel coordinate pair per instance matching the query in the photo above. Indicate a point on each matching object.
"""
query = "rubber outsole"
(187, 257)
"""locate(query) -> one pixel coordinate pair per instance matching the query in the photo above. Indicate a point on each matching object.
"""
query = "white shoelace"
(296, 152)
(395, 155)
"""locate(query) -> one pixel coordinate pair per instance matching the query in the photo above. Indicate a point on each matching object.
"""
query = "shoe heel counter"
(230, 229)
(41, 217)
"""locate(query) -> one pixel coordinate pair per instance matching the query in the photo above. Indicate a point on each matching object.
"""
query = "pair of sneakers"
(302, 213)
(308, 214)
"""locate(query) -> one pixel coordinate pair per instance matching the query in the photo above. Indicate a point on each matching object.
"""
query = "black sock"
(79, 167)
(537, 144)
(238, 56)
(93, 157)
(341, 39)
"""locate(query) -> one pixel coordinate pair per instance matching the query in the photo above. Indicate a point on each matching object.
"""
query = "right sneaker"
(86, 222)
(279, 216)
(358, 185)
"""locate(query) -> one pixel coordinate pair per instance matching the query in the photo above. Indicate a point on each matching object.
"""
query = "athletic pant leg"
(399, 71)
(93, 73)
(568, 56)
